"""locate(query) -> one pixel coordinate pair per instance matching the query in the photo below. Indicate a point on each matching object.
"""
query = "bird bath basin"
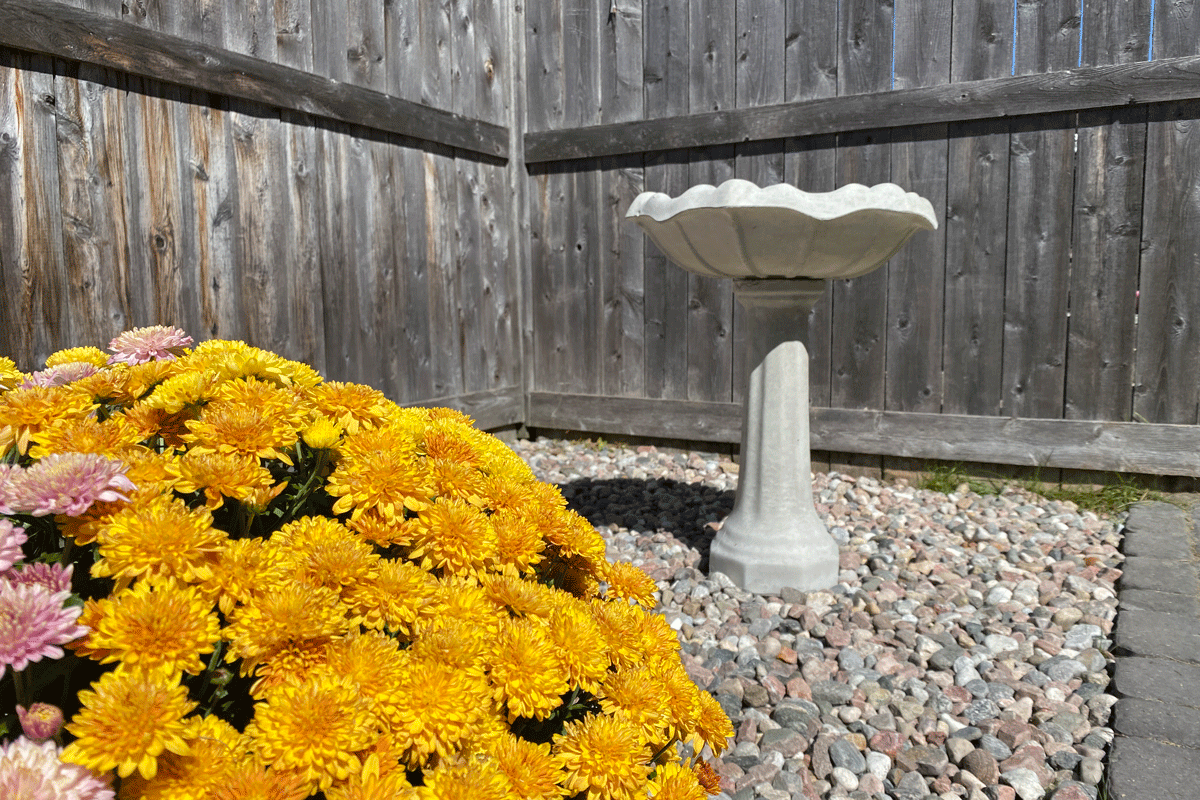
(780, 245)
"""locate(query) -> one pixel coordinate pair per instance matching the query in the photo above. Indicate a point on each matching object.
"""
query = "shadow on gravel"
(645, 506)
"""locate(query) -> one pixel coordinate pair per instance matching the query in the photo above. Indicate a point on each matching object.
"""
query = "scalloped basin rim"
(737, 193)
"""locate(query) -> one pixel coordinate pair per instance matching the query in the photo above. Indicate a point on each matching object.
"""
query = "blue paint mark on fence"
(1150, 48)
(896, 3)
(1013, 70)
(1079, 62)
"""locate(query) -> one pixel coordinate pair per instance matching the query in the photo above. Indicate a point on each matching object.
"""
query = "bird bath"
(780, 246)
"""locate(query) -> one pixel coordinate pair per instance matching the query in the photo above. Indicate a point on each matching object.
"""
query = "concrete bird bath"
(779, 245)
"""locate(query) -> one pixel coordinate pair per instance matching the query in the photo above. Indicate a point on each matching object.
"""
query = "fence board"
(712, 87)
(1167, 370)
(92, 197)
(302, 255)
(665, 53)
(976, 209)
(365, 36)
(440, 217)
(916, 275)
(857, 356)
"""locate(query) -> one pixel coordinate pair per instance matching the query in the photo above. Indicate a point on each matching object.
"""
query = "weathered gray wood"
(1110, 164)
(1103, 446)
(15, 310)
(1167, 370)
(440, 217)
(330, 32)
(666, 48)
(976, 210)
(916, 275)
(364, 53)
(91, 188)
(302, 255)
(495, 408)
(293, 34)
(58, 30)
(1069, 90)
(857, 356)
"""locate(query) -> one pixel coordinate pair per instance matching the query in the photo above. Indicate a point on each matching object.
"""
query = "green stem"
(214, 663)
(306, 489)
(20, 689)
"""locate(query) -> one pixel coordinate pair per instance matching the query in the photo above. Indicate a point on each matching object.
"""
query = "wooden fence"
(329, 181)
(429, 197)
(1058, 142)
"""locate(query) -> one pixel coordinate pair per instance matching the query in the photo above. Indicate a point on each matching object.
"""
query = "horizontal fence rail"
(1022, 95)
(59, 30)
(1067, 444)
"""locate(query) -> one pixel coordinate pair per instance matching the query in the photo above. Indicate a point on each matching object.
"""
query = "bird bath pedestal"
(779, 245)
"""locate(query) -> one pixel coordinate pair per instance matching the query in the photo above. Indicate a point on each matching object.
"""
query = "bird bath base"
(774, 538)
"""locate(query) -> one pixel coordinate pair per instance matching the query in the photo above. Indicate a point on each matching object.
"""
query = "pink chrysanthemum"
(31, 771)
(11, 538)
(155, 343)
(8, 476)
(41, 721)
(68, 483)
(54, 577)
(34, 624)
(61, 374)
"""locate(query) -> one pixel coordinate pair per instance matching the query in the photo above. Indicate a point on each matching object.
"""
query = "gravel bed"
(963, 652)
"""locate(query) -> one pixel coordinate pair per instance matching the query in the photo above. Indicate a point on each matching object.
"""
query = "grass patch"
(1111, 498)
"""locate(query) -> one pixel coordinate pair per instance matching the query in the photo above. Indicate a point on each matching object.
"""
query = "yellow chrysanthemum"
(214, 754)
(142, 378)
(518, 545)
(158, 536)
(290, 662)
(683, 697)
(285, 402)
(244, 567)
(713, 727)
(526, 672)
(465, 779)
(437, 709)
(456, 481)
(112, 438)
(155, 424)
(579, 644)
(521, 598)
(251, 361)
(192, 387)
(401, 598)
(453, 537)
(464, 599)
(604, 756)
(457, 643)
(373, 528)
(657, 640)
(315, 728)
(376, 664)
(10, 376)
(351, 405)
(446, 441)
(641, 696)
(249, 780)
(87, 355)
(619, 624)
(379, 470)
(159, 625)
(627, 582)
(281, 614)
(505, 494)
(129, 718)
(532, 772)
(373, 784)
(676, 782)
(322, 433)
(28, 411)
(219, 475)
(109, 386)
(225, 427)
(323, 552)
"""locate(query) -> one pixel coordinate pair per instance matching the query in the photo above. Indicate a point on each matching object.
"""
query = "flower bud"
(41, 722)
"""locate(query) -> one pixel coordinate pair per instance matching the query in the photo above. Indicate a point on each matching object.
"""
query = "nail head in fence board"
(966, 99)
(665, 92)
(1129, 447)
(55, 29)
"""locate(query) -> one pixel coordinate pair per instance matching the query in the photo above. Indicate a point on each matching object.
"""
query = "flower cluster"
(239, 580)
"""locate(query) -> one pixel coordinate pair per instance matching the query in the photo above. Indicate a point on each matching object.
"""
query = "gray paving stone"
(1159, 530)
(1152, 600)
(1165, 722)
(1140, 769)
(1153, 633)
(1158, 679)
(1159, 574)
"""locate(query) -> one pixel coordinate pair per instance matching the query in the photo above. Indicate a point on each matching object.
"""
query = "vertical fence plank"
(916, 275)
(860, 305)
(665, 58)
(713, 27)
(976, 209)
(1167, 370)
(93, 198)
(758, 81)
(1041, 177)
(620, 249)
(810, 73)
(1106, 234)
(302, 257)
